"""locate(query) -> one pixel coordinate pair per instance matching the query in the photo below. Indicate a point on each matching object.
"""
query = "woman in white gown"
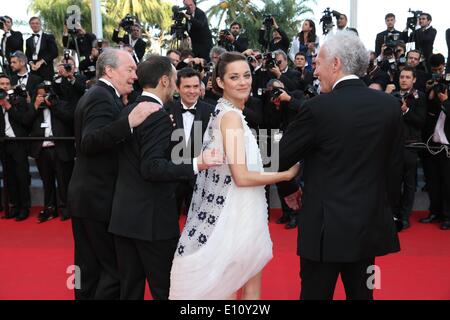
(225, 243)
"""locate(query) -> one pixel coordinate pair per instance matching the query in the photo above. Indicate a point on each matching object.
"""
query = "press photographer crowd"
(41, 87)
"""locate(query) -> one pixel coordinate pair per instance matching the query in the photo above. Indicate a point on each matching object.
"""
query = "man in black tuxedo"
(437, 133)
(14, 123)
(424, 37)
(133, 39)
(69, 85)
(191, 117)
(233, 40)
(21, 75)
(414, 110)
(11, 41)
(41, 50)
(351, 140)
(98, 134)
(54, 159)
(382, 37)
(144, 216)
(281, 71)
(198, 30)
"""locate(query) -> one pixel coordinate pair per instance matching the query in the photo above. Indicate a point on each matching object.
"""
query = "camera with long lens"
(270, 61)
(67, 66)
(310, 91)
(223, 41)
(327, 20)
(12, 95)
(198, 67)
(276, 92)
(440, 83)
(411, 22)
(268, 21)
(128, 22)
(389, 62)
(392, 40)
(50, 95)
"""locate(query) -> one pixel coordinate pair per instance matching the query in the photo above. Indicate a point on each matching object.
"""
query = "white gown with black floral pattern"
(226, 240)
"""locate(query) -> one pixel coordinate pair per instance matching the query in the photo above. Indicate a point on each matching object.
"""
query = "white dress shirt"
(47, 124)
(350, 77)
(188, 121)
(37, 44)
(439, 133)
(9, 132)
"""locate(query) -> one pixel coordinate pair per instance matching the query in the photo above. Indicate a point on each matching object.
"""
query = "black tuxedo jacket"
(32, 83)
(139, 47)
(62, 126)
(194, 145)
(424, 41)
(241, 44)
(18, 118)
(351, 141)
(48, 51)
(144, 205)
(200, 35)
(98, 134)
(434, 109)
(13, 43)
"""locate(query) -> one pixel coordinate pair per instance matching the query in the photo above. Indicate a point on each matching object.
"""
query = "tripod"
(72, 38)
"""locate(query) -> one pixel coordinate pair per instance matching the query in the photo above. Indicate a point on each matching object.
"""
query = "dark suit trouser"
(406, 204)
(17, 175)
(184, 196)
(439, 184)
(318, 279)
(139, 260)
(50, 167)
(96, 256)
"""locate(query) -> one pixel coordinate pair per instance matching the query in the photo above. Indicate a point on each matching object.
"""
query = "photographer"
(424, 36)
(289, 77)
(174, 56)
(198, 30)
(41, 50)
(306, 42)
(413, 104)
(375, 77)
(11, 41)
(280, 109)
(21, 76)
(51, 117)
(342, 24)
(13, 123)
(280, 40)
(69, 85)
(132, 36)
(87, 66)
(307, 76)
(232, 40)
(437, 133)
(83, 40)
(390, 34)
(413, 59)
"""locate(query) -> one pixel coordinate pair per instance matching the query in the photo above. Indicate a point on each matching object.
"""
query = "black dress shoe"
(405, 224)
(13, 212)
(445, 225)
(46, 215)
(431, 218)
(292, 223)
(284, 219)
(23, 215)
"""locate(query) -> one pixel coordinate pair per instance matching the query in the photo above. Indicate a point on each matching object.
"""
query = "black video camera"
(310, 91)
(128, 22)
(178, 14)
(411, 22)
(327, 20)
(2, 22)
(276, 92)
(392, 40)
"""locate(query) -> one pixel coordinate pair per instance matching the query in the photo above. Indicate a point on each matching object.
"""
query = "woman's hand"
(292, 172)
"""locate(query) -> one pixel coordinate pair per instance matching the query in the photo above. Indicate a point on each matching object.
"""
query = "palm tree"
(232, 10)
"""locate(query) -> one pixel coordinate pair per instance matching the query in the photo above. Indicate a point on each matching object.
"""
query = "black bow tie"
(24, 76)
(193, 111)
(36, 35)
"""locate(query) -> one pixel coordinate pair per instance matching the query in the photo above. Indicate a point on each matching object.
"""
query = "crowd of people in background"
(41, 87)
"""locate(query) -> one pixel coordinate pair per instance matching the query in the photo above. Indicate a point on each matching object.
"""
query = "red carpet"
(34, 259)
